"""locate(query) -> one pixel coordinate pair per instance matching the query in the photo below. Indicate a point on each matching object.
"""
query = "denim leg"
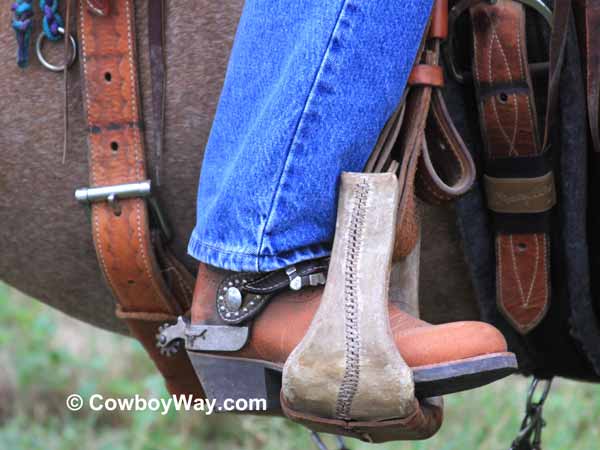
(309, 86)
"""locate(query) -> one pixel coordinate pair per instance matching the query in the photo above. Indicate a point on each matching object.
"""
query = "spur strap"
(121, 222)
(519, 182)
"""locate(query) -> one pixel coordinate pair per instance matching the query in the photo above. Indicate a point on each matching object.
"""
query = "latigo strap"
(150, 286)
(518, 180)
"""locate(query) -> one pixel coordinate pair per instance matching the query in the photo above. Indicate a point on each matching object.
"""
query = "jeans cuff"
(229, 259)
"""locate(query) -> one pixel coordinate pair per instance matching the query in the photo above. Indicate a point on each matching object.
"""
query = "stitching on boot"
(349, 384)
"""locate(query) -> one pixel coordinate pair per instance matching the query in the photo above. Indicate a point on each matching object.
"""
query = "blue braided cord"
(22, 23)
(52, 19)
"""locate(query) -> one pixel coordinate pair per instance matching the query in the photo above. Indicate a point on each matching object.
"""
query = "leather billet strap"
(434, 161)
(124, 243)
(519, 182)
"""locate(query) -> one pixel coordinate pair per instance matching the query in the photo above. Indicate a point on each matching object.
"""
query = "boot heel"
(231, 379)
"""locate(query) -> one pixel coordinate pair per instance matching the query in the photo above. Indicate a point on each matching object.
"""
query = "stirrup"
(346, 376)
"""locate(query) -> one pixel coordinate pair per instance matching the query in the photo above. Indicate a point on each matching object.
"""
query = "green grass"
(45, 356)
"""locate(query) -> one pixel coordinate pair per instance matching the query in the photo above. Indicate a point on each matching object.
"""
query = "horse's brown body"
(45, 240)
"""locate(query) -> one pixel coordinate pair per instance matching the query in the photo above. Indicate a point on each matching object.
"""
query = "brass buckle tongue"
(459, 9)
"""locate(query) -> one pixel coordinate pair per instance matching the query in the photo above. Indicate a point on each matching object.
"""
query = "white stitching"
(515, 269)
(133, 89)
(535, 272)
(95, 210)
(511, 142)
(136, 146)
(524, 77)
(349, 384)
(525, 300)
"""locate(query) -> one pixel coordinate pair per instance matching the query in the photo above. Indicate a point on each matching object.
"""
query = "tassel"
(22, 23)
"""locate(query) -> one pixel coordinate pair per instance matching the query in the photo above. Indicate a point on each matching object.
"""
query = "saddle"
(533, 280)
(522, 221)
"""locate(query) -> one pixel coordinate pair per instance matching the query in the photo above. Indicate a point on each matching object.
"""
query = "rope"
(22, 22)
(52, 19)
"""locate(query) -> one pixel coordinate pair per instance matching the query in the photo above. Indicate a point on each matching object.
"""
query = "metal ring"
(38, 49)
(461, 7)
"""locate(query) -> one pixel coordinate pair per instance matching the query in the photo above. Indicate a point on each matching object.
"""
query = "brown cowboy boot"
(283, 322)
(443, 358)
(402, 359)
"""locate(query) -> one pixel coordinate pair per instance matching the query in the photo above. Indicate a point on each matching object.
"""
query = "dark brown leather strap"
(121, 231)
(158, 75)
(420, 135)
(446, 168)
(588, 24)
(509, 127)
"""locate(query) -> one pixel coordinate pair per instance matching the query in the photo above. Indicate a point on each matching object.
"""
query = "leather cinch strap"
(149, 285)
(518, 179)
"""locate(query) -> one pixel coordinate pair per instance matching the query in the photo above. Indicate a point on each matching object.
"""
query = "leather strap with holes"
(150, 286)
(446, 169)
(518, 180)
(434, 160)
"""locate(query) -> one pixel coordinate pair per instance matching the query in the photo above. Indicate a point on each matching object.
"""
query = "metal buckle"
(458, 10)
(112, 194)
(297, 282)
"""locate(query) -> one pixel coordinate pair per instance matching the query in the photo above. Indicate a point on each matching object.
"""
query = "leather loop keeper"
(439, 20)
(520, 167)
(507, 224)
(520, 195)
(426, 75)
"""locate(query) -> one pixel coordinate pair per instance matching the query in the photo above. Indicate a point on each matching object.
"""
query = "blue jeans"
(309, 86)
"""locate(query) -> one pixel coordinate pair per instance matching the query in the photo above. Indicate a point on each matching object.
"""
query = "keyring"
(38, 49)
